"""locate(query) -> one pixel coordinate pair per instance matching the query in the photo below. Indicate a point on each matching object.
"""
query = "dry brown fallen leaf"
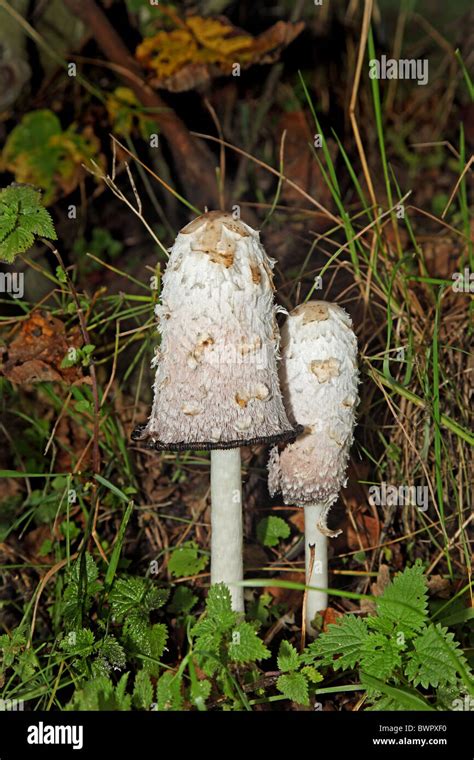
(36, 353)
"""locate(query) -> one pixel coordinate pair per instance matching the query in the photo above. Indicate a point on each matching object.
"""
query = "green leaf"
(183, 600)
(271, 530)
(312, 674)
(142, 691)
(288, 658)
(169, 692)
(344, 640)
(22, 217)
(112, 654)
(200, 691)
(295, 688)
(408, 698)
(186, 560)
(405, 600)
(219, 607)
(246, 646)
(380, 656)
(38, 152)
(81, 587)
(80, 642)
(127, 595)
(100, 694)
(435, 659)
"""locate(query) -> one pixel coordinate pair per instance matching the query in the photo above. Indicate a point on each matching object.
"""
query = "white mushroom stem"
(316, 561)
(226, 523)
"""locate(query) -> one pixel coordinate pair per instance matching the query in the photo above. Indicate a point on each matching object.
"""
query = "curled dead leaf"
(199, 49)
(36, 353)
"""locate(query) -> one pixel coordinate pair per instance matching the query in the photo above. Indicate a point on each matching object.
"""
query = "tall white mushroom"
(216, 384)
(319, 380)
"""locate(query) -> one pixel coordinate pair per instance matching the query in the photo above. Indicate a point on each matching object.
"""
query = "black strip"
(140, 434)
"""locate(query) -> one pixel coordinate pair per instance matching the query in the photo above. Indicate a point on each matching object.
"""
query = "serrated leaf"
(435, 659)
(186, 560)
(408, 698)
(81, 587)
(312, 674)
(405, 600)
(142, 691)
(295, 688)
(380, 656)
(200, 691)
(343, 640)
(80, 642)
(155, 598)
(219, 607)
(22, 217)
(270, 530)
(183, 600)
(16, 242)
(246, 646)
(126, 595)
(207, 647)
(288, 658)
(169, 694)
(113, 653)
(100, 694)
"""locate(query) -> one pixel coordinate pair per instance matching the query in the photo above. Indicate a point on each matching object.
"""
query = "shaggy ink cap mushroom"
(319, 380)
(216, 384)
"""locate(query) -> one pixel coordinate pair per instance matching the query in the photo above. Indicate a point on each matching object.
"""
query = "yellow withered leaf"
(202, 48)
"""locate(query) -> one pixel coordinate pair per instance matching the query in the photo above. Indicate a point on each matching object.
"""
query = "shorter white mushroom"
(319, 378)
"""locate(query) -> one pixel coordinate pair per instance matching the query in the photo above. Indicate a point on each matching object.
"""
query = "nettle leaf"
(219, 607)
(405, 600)
(288, 658)
(81, 587)
(187, 560)
(169, 694)
(200, 691)
(11, 646)
(435, 659)
(271, 530)
(207, 647)
(112, 653)
(135, 596)
(126, 595)
(343, 640)
(380, 656)
(295, 687)
(22, 217)
(246, 646)
(100, 694)
(80, 642)
(142, 691)
(312, 674)
(183, 600)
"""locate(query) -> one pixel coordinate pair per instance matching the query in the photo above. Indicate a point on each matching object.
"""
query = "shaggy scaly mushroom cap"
(319, 379)
(216, 382)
